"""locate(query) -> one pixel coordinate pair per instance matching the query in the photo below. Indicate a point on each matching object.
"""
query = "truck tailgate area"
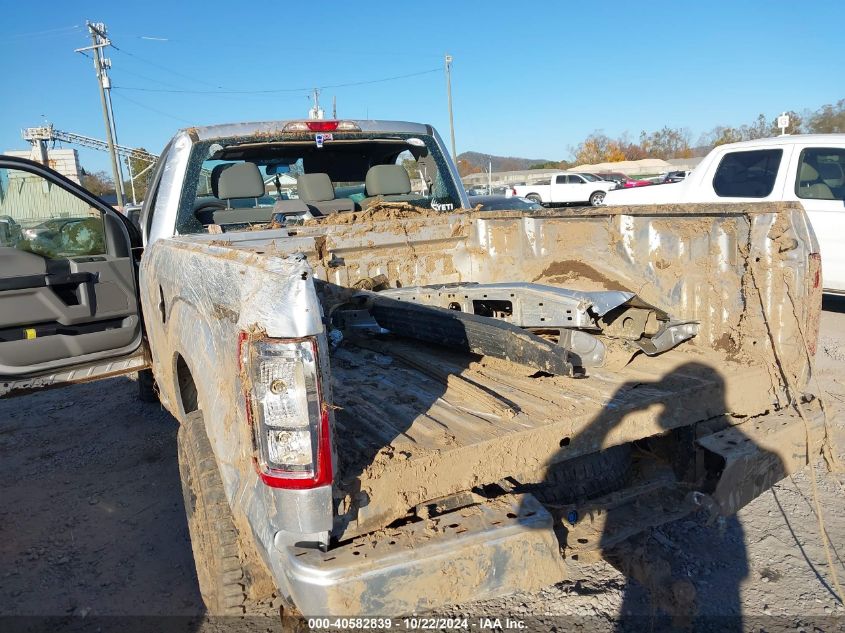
(417, 422)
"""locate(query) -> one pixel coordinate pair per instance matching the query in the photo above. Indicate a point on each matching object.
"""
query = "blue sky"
(529, 78)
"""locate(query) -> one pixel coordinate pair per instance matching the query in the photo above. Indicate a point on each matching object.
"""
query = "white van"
(808, 168)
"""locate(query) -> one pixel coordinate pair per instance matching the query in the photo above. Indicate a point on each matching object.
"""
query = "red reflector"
(816, 269)
(322, 126)
(323, 474)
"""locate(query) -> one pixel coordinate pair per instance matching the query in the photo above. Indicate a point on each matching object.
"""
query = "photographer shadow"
(627, 538)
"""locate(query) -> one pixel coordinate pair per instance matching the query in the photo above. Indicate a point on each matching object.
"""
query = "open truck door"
(69, 307)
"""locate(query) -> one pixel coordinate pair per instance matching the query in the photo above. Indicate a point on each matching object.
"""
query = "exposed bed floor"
(416, 422)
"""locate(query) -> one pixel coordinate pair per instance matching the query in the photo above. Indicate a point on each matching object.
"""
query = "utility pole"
(334, 107)
(98, 42)
(316, 112)
(449, 92)
(117, 144)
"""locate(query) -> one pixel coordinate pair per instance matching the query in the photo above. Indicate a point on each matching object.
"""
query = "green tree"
(551, 164)
(666, 143)
(828, 119)
(593, 149)
(138, 162)
(760, 128)
(720, 135)
(98, 182)
(465, 168)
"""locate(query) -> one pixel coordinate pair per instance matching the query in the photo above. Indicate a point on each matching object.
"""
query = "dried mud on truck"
(389, 404)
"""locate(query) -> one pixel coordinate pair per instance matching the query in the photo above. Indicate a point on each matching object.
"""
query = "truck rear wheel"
(533, 197)
(228, 579)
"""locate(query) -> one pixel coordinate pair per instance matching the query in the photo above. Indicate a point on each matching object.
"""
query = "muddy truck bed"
(430, 449)
(418, 422)
(414, 422)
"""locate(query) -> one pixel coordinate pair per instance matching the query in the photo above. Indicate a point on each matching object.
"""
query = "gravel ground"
(92, 524)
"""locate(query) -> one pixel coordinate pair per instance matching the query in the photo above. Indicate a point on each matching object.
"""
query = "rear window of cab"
(748, 174)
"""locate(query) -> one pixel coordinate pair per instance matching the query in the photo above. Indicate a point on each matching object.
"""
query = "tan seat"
(317, 191)
(390, 183)
(811, 186)
(237, 181)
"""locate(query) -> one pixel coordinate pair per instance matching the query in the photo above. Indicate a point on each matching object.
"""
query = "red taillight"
(285, 410)
(322, 126)
(816, 270)
(323, 474)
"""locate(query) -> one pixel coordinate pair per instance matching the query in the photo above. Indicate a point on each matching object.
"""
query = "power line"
(377, 81)
(163, 67)
(123, 69)
(283, 90)
(64, 30)
(152, 109)
(212, 92)
(324, 51)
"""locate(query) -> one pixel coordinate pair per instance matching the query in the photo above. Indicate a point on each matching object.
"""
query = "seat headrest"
(387, 180)
(242, 180)
(215, 176)
(315, 187)
(808, 172)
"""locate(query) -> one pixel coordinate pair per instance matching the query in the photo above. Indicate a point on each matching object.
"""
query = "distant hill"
(500, 163)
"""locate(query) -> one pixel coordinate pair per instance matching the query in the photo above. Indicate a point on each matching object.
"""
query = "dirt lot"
(91, 523)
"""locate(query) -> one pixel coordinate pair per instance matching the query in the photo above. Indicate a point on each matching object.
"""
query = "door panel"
(562, 189)
(828, 220)
(68, 286)
(819, 184)
(581, 189)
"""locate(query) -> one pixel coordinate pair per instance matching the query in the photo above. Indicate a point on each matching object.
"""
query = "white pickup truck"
(805, 168)
(399, 404)
(567, 187)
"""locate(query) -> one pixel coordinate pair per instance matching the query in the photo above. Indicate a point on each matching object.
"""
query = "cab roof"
(275, 128)
(789, 139)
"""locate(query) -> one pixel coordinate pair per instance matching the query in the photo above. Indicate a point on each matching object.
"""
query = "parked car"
(636, 182)
(502, 202)
(596, 176)
(623, 181)
(808, 169)
(567, 187)
(368, 419)
(133, 211)
(675, 176)
(613, 176)
(10, 231)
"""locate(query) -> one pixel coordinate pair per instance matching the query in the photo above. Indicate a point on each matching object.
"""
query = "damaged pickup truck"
(389, 403)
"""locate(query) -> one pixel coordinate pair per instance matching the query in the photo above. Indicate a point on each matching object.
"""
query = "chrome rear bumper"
(473, 553)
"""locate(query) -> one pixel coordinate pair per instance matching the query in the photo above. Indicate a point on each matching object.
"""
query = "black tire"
(533, 197)
(227, 576)
(597, 198)
(147, 388)
(585, 477)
